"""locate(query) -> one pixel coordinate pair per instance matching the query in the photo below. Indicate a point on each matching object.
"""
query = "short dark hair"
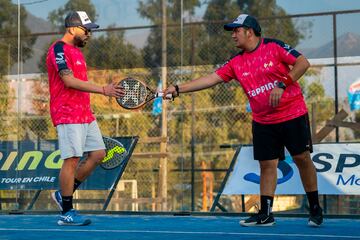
(258, 34)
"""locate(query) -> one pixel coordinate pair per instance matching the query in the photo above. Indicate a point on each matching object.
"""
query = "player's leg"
(267, 150)
(95, 147)
(71, 148)
(298, 143)
(88, 165)
(66, 180)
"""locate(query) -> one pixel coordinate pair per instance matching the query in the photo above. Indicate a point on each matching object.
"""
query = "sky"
(123, 12)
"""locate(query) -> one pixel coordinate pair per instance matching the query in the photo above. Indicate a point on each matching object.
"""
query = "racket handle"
(168, 96)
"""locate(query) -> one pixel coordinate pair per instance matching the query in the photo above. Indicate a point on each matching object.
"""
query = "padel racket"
(137, 94)
(115, 154)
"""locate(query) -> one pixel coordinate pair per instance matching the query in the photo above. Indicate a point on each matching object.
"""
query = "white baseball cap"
(79, 18)
(244, 20)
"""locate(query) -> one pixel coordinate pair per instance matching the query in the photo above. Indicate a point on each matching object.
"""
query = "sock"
(313, 198)
(266, 204)
(76, 184)
(67, 203)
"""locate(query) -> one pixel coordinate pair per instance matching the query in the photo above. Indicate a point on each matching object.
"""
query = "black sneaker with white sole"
(259, 219)
(316, 217)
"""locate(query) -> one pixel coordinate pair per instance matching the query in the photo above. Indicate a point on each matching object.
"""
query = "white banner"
(337, 165)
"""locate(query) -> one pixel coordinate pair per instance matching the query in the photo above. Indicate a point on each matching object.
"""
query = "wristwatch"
(281, 85)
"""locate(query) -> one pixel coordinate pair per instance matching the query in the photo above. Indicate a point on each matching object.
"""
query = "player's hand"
(170, 90)
(275, 96)
(113, 90)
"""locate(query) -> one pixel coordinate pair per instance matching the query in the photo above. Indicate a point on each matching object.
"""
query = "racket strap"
(177, 89)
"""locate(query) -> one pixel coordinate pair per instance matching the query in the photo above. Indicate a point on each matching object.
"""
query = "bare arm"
(299, 68)
(71, 82)
(195, 85)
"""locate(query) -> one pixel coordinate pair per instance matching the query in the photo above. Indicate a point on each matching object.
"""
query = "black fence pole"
(335, 74)
(192, 153)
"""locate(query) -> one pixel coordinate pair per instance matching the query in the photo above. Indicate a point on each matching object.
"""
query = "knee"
(302, 160)
(268, 166)
(71, 162)
(98, 156)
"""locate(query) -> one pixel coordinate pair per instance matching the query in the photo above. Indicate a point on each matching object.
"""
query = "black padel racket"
(115, 154)
(137, 94)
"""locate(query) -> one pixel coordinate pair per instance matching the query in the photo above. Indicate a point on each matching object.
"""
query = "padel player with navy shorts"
(280, 116)
(71, 113)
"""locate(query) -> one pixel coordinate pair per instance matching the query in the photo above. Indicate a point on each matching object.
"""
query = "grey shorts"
(75, 139)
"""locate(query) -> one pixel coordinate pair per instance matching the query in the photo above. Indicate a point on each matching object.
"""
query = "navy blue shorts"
(270, 140)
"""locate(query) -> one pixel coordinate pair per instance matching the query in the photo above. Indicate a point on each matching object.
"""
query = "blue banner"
(354, 96)
(157, 105)
(35, 165)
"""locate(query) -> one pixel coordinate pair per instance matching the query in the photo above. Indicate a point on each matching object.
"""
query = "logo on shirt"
(288, 48)
(60, 58)
(78, 62)
(262, 89)
(270, 64)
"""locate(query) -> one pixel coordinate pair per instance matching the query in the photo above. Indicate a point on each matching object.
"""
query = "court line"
(176, 232)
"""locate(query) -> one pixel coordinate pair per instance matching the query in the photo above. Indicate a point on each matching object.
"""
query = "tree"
(57, 16)
(227, 10)
(104, 51)
(113, 48)
(151, 9)
(8, 34)
(8, 57)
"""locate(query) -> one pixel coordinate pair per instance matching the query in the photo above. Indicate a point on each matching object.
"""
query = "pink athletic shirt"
(258, 72)
(67, 105)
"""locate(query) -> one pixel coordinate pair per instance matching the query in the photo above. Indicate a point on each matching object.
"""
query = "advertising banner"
(36, 165)
(337, 166)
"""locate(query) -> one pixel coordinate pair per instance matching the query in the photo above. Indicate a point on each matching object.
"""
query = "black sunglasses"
(86, 31)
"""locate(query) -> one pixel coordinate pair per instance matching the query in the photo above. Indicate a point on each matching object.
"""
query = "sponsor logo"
(60, 58)
(325, 162)
(284, 167)
(345, 167)
(268, 65)
(288, 48)
(264, 220)
(262, 89)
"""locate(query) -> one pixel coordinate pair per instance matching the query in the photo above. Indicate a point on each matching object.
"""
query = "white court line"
(176, 232)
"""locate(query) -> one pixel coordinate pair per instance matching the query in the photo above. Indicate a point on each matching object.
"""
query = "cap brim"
(91, 26)
(231, 26)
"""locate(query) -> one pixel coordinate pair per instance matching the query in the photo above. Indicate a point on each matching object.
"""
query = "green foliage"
(42, 62)
(8, 36)
(151, 10)
(319, 105)
(57, 17)
(281, 28)
(103, 51)
(117, 52)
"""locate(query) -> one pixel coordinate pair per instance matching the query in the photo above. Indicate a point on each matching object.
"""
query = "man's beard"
(79, 42)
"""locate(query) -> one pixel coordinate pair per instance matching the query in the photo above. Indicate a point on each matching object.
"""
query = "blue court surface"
(171, 227)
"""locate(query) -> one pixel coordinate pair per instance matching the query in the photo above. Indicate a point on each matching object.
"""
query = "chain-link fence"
(197, 123)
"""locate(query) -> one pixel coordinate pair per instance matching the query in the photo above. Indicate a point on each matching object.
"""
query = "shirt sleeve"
(287, 54)
(225, 72)
(60, 58)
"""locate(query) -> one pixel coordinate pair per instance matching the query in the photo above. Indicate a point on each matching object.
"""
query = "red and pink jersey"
(67, 105)
(258, 72)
